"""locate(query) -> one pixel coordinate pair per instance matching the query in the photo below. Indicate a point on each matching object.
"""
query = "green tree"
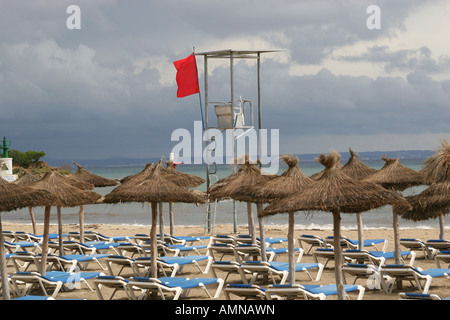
(27, 159)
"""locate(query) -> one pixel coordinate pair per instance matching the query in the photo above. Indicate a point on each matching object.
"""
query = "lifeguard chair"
(231, 115)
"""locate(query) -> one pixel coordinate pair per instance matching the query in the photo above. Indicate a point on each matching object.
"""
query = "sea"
(139, 214)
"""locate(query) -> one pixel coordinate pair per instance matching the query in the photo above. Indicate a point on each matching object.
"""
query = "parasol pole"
(261, 232)
(3, 271)
(81, 218)
(153, 250)
(45, 239)
(291, 248)
(441, 226)
(251, 222)
(60, 233)
(338, 254)
(360, 228)
(161, 221)
(33, 219)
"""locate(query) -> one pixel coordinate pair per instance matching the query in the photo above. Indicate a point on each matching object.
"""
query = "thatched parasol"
(437, 166)
(98, 181)
(435, 200)
(86, 176)
(140, 175)
(318, 175)
(393, 175)
(337, 193)
(429, 204)
(250, 174)
(13, 197)
(65, 195)
(155, 188)
(181, 179)
(291, 181)
(25, 180)
(357, 170)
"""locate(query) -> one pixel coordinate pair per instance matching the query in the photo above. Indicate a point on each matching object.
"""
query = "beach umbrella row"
(337, 193)
(353, 188)
(156, 188)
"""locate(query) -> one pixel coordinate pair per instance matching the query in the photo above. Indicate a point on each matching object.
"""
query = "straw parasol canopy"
(249, 175)
(155, 188)
(429, 204)
(337, 193)
(433, 202)
(181, 179)
(437, 166)
(65, 195)
(13, 197)
(86, 176)
(26, 179)
(140, 175)
(393, 175)
(357, 169)
(291, 181)
(318, 175)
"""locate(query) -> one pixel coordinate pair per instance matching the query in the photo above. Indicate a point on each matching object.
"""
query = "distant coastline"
(129, 161)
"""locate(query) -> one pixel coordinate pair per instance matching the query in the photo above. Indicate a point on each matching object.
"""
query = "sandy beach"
(439, 286)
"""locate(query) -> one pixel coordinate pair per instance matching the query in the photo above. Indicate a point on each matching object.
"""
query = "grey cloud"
(418, 60)
(77, 93)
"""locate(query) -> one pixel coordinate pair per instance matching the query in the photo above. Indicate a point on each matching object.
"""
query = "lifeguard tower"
(231, 114)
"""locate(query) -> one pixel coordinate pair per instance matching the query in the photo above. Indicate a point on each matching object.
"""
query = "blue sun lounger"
(280, 269)
(27, 236)
(246, 291)
(311, 292)
(353, 244)
(176, 264)
(178, 286)
(420, 296)
(56, 280)
(91, 235)
(416, 275)
(112, 282)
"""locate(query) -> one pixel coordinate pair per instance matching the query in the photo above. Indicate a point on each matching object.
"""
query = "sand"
(439, 286)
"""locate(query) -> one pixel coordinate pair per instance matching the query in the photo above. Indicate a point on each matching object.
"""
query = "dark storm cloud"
(108, 89)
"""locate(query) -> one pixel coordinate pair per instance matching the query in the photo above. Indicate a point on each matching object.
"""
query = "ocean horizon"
(139, 214)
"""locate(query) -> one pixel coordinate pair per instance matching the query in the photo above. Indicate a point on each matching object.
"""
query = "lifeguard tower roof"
(242, 54)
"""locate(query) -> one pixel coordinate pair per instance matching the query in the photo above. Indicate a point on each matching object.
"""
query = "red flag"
(187, 79)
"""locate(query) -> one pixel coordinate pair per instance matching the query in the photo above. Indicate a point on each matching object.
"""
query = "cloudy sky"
(108, 89)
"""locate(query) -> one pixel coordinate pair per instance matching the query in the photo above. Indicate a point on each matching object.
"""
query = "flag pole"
(199, 93)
